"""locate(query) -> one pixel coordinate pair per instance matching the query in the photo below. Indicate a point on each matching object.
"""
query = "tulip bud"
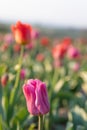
(22, 33)
(4, 80)
(36, 96)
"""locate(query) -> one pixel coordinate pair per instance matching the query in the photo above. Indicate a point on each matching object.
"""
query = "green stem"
(13, 94)
(14, 91)
(40, 122)
(20, 64)
(54, 81)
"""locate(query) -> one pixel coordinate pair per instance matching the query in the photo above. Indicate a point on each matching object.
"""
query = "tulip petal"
(29, 93)
(42, 102)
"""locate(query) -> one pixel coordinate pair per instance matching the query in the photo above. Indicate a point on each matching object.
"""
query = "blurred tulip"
(45, 41)
(22, 33)
(8, 38)
(4, 47)
(40, 57)
(36, 96)
(22, 74)
(76, 67)
(35, 34)
(58, 51)
(73, 52)
(4, 80)
(16, 48)
(66, 42)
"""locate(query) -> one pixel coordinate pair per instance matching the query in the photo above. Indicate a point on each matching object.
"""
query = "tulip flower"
(76, 67)
(35, 34)
(8, 38)
(22, 33)
(66, 43)
(36, 96)
(58, 51)
(73, 52)
(40, 57)
(45, 41)
(4, 80)
(22, 74)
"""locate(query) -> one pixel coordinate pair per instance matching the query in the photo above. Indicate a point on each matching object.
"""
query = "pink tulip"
(22, 74)
(8, 38)
(36, 96)
(35, 34)
(76, 67)
(73, 52)
(57, 63)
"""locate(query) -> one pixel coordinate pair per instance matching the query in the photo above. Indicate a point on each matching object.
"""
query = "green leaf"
(5, 105)
(20, 116)
(1, 127)
(63, 95)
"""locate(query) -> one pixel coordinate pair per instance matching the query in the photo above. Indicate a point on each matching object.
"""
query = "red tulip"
(22, 33)
(4, 80)
(36, 96)
(40, 57)
(45, 41)
(66, 42)
(58, 51)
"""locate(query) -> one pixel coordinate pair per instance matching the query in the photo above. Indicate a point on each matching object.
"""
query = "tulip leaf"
(21, 115)
(1, 127)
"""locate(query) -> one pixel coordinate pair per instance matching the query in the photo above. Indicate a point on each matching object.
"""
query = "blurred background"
(68, 16)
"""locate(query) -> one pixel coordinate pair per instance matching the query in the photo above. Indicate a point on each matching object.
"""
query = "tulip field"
(43, 80)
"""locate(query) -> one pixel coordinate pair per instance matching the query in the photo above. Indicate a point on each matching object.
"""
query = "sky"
(52, 12)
